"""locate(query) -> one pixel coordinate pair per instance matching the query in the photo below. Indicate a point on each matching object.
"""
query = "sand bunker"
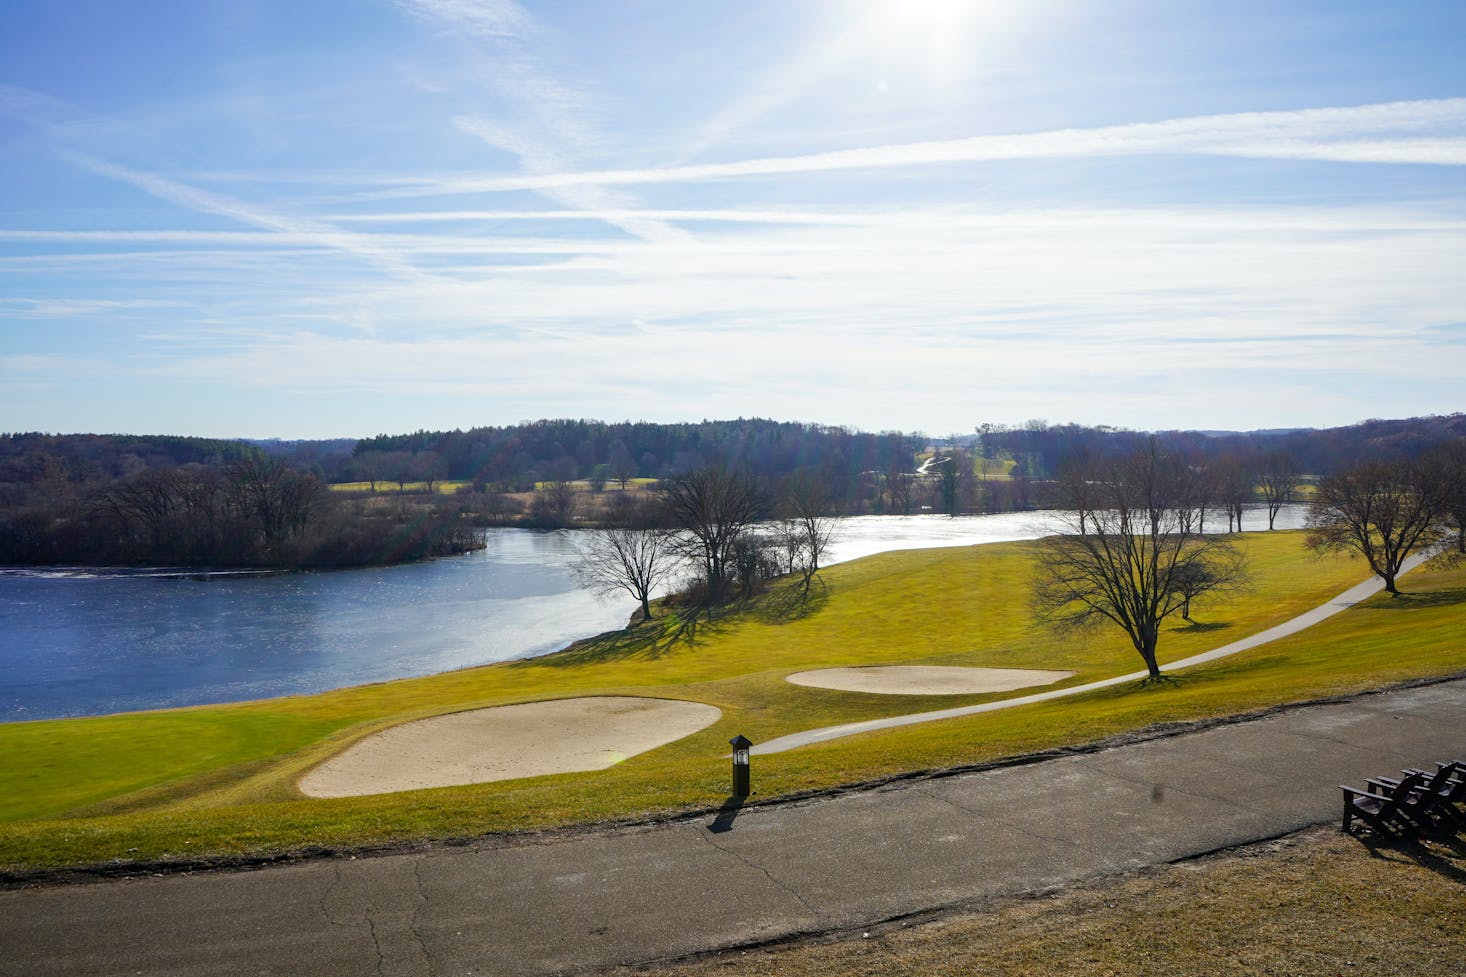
(506, 742)
(925, 679)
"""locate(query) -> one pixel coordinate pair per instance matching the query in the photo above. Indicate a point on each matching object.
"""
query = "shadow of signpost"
(724, 821)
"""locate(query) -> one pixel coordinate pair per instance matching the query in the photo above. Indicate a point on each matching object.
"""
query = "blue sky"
(346, 217)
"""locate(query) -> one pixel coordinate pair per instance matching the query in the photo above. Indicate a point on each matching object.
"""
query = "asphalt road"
(564, 904)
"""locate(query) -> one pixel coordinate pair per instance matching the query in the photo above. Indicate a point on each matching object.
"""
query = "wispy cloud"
(204, 201)
(1298, 218)
(484, 18)
(552, 128)
(24, 308)
(591, 200)
(1380, 133)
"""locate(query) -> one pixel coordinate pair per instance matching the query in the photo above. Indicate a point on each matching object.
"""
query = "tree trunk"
(1149, 637)
(646, 608)
(1390, 584)
(1150, 664)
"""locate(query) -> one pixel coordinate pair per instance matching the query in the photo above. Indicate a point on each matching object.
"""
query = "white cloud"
(206, 202)
(39, 308)
(484, 18)
(1323, 134)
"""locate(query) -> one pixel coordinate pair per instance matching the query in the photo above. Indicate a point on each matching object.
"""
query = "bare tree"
(898, 488)
(1278, 477)
(554, 503)
(623, 558)
(429, 468)
(1380, 510)
(955, 472)
(501, 507)
(1448, 466)
(809, 524)
(1192, 580)
(714, 507)
(1076, 475)
(394, 466)
(277, 498)
(1234, 489)
(140, 506)
(1139, 561)
(622, 467)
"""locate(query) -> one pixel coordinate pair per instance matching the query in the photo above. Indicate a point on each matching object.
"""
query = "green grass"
(994, 468)
(385, 486)
(220, 780)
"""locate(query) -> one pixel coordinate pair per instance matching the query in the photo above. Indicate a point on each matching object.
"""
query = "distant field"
(220, 780)
(442, 488)
(451, 487)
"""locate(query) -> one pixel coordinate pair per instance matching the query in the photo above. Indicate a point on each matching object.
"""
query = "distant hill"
(520, 455)
(517, 457)
(1042, 448)
(82, 458)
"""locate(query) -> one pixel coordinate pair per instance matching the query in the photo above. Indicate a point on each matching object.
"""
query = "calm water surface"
(84, 642)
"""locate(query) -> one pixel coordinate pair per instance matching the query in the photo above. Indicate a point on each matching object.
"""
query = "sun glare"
(938, 39)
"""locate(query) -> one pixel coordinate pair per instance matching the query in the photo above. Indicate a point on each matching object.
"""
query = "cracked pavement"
(583, 903)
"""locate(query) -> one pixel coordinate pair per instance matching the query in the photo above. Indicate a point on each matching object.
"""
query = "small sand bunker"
(925, 679)
(507, 742)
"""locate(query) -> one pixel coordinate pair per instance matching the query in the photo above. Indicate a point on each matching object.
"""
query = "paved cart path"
(1307, 619)
(571, 903)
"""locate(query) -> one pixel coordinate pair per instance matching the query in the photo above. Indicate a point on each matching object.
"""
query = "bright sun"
(937, 38)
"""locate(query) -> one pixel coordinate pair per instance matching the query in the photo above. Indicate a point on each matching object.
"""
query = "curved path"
(1308, 619)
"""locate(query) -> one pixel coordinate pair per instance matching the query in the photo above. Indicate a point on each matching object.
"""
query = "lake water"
(79, 642)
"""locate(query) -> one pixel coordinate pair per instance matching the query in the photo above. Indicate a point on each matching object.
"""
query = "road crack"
(705, 835)
(325, 906)
(376, 943)
(422, 904)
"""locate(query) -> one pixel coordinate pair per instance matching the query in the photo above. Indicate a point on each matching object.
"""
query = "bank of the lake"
(80, 642)
(221, 781)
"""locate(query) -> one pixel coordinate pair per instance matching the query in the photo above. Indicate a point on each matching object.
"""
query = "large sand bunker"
(507, 742)
(925, 679)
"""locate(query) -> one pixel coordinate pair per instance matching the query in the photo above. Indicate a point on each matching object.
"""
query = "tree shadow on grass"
(644, 641)
(1201, 627)
(1405, 601)
(685, 624)
(788, 601)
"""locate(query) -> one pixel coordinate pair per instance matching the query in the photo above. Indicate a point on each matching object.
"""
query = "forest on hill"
(130, 499)
(1042, 449)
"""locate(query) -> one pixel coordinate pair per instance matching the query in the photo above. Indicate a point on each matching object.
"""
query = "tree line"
(514, 458)
(62, 497)
(1041, 450)
(250, 512)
